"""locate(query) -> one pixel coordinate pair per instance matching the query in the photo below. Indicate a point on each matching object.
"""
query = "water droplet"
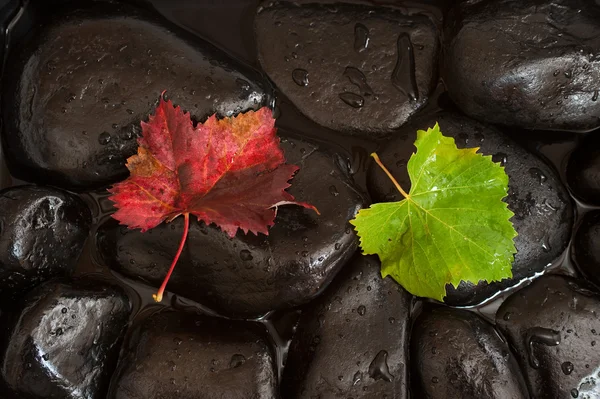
(333, 191)
(246, 255)
(300, 77)
(392, 320)
(361, 310)
(403, 76)
(321, 320)
(507, 316)
(567, 368)
(540, 335)
(236, 361)
(337, 246)
(172, 365)
(357, 378)
(546, 244)
(64, 310)
(435, 380)
(538, 174)
(356, 77)
(361, 37)
(595, 96)
(499, 157)
(104, 138)
(556, 72)
(434, 350)
(46, 356)
(568, 74)
(379, 369)
(353, 100)
(574, 393)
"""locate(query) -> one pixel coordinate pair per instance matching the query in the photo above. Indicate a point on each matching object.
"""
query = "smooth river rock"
(250, 275)
(553, 326)
(585, 250)
(185, 356)
(353, 341)
(541, 204)
(76, 91)
(351, 68)
(529, 63)
(42, 232)
(64, 341)
(583, 170)
(456, 354)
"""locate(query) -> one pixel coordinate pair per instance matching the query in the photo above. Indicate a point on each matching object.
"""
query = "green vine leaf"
(451, 226)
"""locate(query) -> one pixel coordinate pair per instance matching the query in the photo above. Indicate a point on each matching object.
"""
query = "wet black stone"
(527, 63)
(64, 341)
(42, 232)
(76, 92)
(585, 250)
(543, 211)
(347, 67)
(251, 275)
(553, 326)
(352, 341)
(187, 356)
(456, 354)
(583, 170)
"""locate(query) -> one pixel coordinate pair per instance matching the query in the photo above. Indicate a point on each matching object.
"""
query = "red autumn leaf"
(230, 172)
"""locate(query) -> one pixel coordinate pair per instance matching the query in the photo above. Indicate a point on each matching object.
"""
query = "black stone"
(353, 341)
(42, 232)
(349, 67)
(76, 91)
(64, 341)
(456, 354)
(251, 275)
(585, 250)
(529, 63)
(543, 211)
(187, 356)
(583, 170)
(553, 326)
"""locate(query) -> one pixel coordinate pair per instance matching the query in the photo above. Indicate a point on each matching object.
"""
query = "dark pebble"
(186, 356)
(585, 250)
(351, 68)
(42, 232)
(76, 91)
(543, 211)
(251, 275)
(64, 341)
(553, 327)
(528, 63)
(353, 341)
(583, 170)
(456, 354)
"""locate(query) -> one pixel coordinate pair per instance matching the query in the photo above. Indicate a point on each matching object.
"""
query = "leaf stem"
(387, 172)
(159, 295)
